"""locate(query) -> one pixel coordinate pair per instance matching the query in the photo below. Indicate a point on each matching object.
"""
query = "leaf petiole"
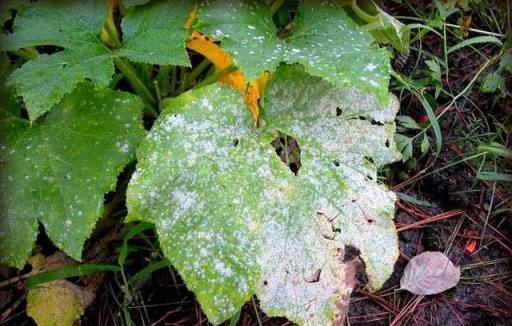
(138, 86)
(196, 72)
(214, 77)
(127, 69)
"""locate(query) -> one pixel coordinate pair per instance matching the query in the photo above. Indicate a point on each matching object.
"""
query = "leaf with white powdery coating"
(235, 221)
(57, 171)
(323, 38)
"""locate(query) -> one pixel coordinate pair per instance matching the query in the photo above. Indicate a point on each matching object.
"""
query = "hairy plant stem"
(276, 6)
(24, 54)
(214, 77)
(129, 72)
(174, 76)
(137, 84)
(196, 72)
(163, 80)
(362, 14)
(183, 80)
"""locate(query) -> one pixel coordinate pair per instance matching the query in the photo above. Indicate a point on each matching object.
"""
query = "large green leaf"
(323, 38)
(68, 24)
(57, 171)
(44, 81)
(7, 94)
(154, 33)
(235, 221)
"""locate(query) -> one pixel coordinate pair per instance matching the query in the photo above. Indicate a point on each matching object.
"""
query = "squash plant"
(230, 214)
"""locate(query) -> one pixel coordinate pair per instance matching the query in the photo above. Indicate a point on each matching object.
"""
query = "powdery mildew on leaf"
(323, 38)
(57, 171)
(235, 221)
(154, 33)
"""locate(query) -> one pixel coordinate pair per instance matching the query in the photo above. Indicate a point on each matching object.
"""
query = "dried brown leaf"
(429, 273)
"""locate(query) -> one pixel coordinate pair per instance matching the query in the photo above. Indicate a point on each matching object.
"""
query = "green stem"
(127, 69)
(374, 25)
(112, 35)
(276, 6)
(213, 78)
(183, 80)
(362, 14)
(24, 54)
(445, 52)
(174, 76)
(163, 80)
(197, 71)
(136, 83)
(157, 91)
(32, 51)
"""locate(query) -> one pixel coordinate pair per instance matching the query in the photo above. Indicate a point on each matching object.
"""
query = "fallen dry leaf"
(56, 303)
(429, 273)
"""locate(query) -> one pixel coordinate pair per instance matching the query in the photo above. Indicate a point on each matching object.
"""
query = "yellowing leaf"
(236, 79)
(56, 303)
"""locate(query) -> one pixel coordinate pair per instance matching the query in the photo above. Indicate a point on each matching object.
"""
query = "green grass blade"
(493, 176)
(496, 149)
(475, 40)
(433, 120)
(146, 271)
(414, 200)
(68, 271)
(134, 230)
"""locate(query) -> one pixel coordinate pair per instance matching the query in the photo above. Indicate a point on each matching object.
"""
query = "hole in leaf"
(369, 159)
(284, 17)
(49, 49)
(387, 143)
(339, 111)
(313, 277)
(288, 151)
(372, 121)
(350, 253)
